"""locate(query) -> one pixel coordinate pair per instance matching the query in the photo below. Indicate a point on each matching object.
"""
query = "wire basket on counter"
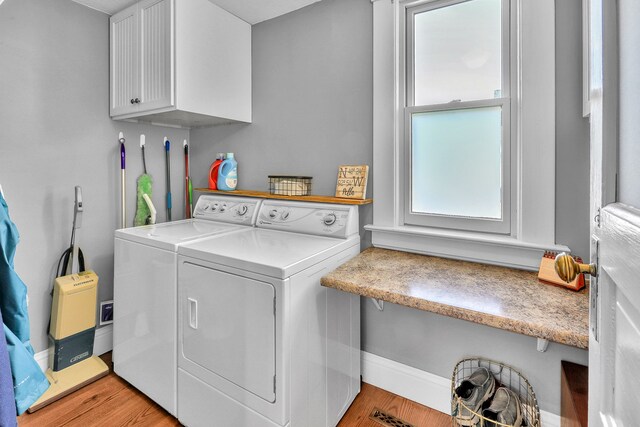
(287, 185)
(505, 376)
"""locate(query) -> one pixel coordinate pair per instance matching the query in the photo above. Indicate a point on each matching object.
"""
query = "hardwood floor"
(112, 401)
(371, 397)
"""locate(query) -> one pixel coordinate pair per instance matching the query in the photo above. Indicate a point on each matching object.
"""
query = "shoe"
(473, 392)
(505, 408)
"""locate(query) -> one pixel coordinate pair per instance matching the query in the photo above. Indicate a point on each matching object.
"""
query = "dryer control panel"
(230, 209)
(309, 218)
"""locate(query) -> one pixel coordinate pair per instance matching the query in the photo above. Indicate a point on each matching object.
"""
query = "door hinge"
(596, 219)
(593, 290)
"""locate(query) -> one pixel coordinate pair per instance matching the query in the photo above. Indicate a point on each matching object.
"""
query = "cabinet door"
(124, 61)
(228, 325)
(156, 54)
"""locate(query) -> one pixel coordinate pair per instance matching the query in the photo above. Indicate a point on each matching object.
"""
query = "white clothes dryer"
(145, 292)
(260, 341)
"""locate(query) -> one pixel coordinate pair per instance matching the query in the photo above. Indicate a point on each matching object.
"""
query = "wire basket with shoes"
(485, 393)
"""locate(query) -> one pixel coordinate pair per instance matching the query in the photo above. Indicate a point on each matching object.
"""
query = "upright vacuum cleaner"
(72, 364)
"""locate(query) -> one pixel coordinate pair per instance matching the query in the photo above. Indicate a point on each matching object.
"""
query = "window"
(464, 135)
(457, 141)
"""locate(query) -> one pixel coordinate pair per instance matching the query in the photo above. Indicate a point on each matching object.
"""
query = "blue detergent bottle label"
(232, 179)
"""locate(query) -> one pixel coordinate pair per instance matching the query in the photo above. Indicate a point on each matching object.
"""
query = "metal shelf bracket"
(378, 303)
(543, 345)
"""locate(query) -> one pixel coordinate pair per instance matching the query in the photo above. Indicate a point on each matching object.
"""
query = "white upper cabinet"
(124, 61)
(181, 63)
(156, 54)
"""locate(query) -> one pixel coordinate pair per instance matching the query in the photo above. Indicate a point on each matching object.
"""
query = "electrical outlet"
(106, 312)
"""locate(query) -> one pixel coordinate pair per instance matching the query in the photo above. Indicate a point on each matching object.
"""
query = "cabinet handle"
(137, 100)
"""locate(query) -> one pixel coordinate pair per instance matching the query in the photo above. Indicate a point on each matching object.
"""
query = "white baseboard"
(420, 386)
(414, 384)
(42, 357)
(102, 343)
(104, 340)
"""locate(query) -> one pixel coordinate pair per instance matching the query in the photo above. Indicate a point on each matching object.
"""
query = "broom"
(144, 186)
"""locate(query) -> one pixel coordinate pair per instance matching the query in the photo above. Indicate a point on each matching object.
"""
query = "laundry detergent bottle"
(214, 170)
(228, 174)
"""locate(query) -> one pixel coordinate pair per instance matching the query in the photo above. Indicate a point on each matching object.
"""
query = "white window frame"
(503, 224)
(532, 228)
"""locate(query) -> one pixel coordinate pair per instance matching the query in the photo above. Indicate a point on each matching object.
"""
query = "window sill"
(477, 247)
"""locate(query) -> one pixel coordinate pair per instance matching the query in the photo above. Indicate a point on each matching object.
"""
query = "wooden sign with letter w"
(352, 181)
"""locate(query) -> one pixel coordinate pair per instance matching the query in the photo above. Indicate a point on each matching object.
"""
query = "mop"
(144, 184)
(72, 364)
(188, 190)
(167, 149)
(123, 201)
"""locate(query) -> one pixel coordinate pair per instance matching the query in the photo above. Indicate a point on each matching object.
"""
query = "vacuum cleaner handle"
(78, 209)
(77, 223)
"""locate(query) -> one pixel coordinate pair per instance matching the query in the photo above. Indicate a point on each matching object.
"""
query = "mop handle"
(123, 182)
(187, 201)
(167, 147)
(144, 162)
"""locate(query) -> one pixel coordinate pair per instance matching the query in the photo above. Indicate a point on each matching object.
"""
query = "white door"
(614, 340)
(228, 327)
(124, 61)
(156, 54)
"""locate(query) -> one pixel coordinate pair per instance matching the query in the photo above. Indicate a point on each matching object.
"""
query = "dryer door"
(228, 327)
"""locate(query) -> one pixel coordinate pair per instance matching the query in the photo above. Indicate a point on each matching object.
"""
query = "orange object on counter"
(547, 273)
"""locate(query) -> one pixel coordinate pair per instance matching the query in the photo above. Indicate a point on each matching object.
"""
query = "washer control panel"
(231, 209)
(309, 218)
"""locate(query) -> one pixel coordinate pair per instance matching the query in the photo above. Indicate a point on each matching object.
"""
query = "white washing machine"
(145, 292)
(260, 342)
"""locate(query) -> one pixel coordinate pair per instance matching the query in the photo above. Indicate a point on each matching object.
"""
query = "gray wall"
(434, 343)
(312, 111)
(572, 132)
(312, 101)
(629, 149)
(55, 133)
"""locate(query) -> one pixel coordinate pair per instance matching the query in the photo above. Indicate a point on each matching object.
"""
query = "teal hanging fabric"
(29, 383)
(7, 398)
(28, 380)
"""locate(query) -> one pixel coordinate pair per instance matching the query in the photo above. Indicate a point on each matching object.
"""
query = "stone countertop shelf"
(504, 298)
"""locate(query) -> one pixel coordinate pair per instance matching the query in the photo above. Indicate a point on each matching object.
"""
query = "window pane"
(457, 53)
(456, 162)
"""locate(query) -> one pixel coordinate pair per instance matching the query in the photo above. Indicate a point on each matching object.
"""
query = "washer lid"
(169, 235)
(272, 253)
